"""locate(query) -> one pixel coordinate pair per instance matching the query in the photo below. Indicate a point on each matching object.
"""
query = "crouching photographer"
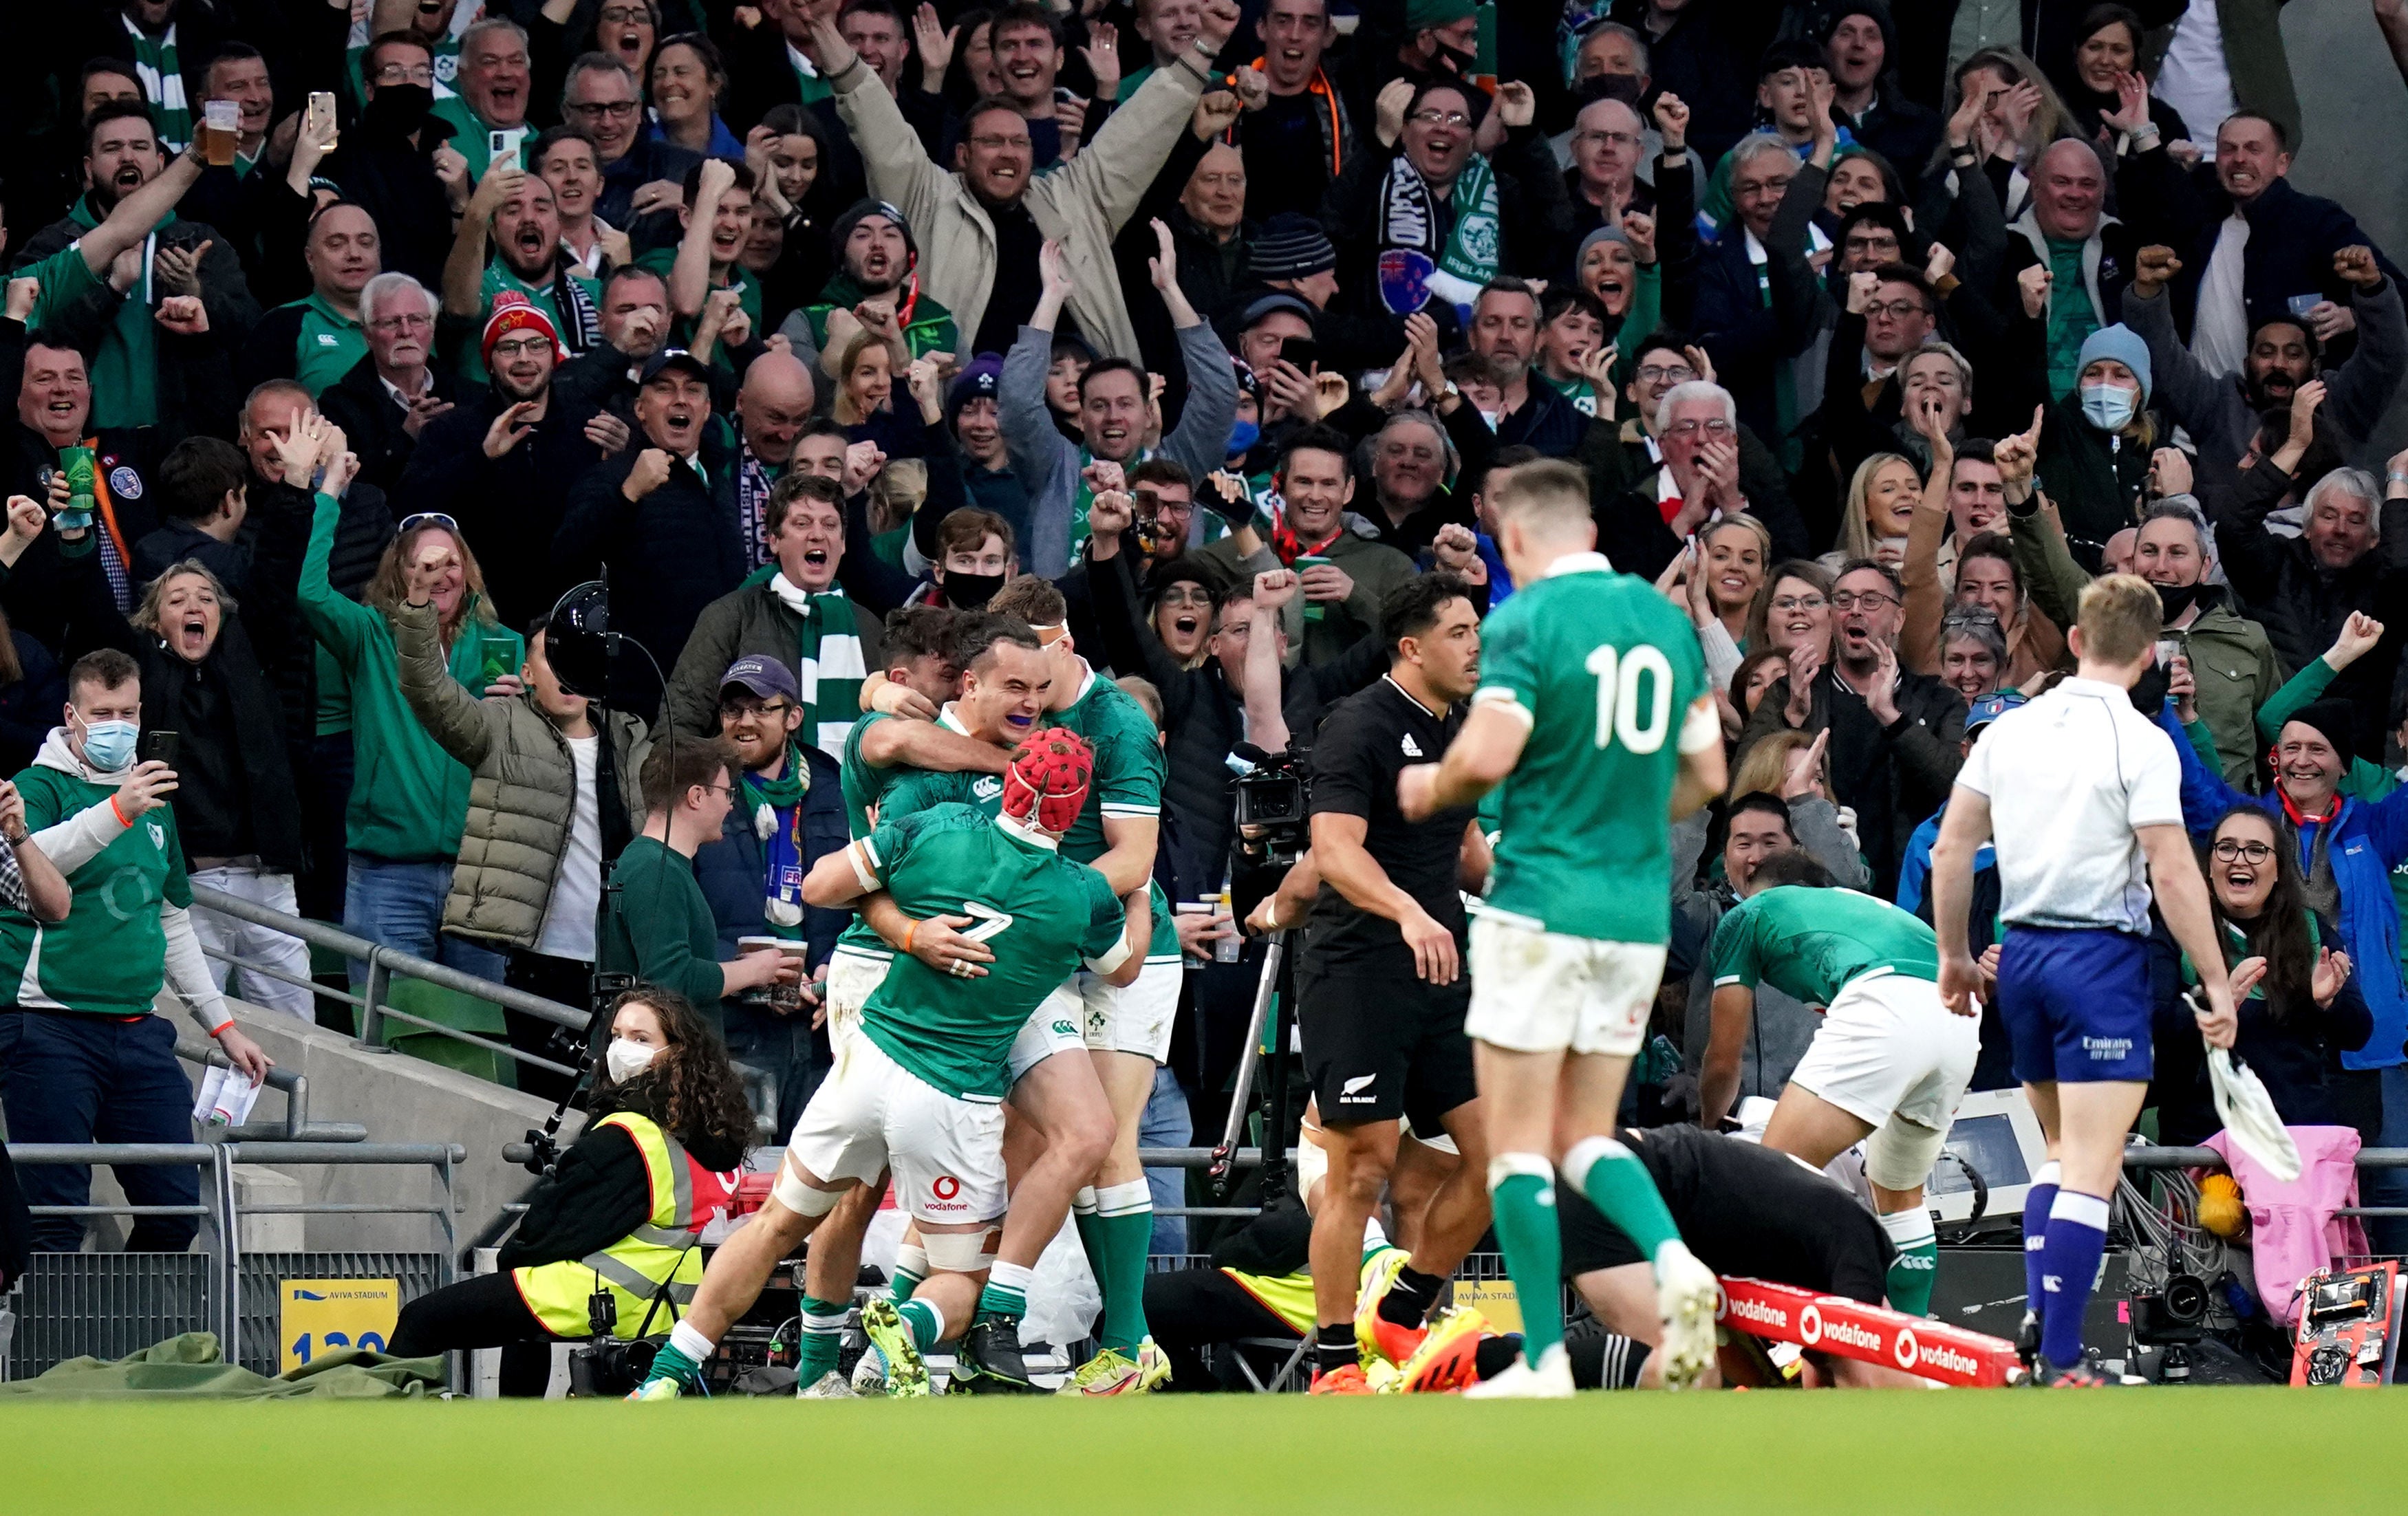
(606, 1248)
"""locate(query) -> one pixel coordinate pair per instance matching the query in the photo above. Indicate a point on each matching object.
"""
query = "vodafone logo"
(1756, 1313)
(946, 1187)
(1810, 1326)
(1905, 1349)
(1942, 1356)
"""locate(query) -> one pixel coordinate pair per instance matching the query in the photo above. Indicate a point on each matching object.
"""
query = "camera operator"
(1381, 991)
(620, 1213)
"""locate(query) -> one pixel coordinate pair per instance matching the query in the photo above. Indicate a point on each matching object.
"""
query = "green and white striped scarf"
(828, 667)
(163, 81)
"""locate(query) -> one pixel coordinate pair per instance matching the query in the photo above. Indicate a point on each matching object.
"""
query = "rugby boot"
(1349, 1379)
(989, 1360)
(1447, 1356)
(907, 1377)
(1687, 1293)
(1550, 1380)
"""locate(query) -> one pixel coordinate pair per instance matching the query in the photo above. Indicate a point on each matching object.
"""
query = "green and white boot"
(906, 1375)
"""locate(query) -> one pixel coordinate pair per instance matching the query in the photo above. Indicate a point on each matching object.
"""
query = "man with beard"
(2223, 412)
(1060, 474)
(877, 283)
(1895, 735)
(387, 159)
(507, 467)
(146, 369)
(386, 400)
(1505, 339)
(516, 207)
(493, 83)
(318, 339)
(640, 173)
(980, 233)
(658, 520)
(792, 613)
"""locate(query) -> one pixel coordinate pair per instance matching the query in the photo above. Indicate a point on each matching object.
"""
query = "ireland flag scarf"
(828, 665)
(1407, 221)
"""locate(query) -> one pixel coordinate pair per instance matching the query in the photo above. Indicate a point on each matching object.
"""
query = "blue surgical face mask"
(1243, 435)
(109, 746)
(2108, 407)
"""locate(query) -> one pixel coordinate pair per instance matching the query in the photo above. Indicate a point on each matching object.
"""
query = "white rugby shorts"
(1536, 991)
(1891, 1055)
(871, 1115)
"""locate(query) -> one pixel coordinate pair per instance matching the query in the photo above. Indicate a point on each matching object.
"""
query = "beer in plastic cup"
(221, 130)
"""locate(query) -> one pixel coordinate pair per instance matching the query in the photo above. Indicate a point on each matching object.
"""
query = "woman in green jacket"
(409, 798)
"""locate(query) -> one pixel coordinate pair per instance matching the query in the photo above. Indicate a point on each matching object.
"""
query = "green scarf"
(1469, 260)
(828, 667)
(781, 846)
(163, 81)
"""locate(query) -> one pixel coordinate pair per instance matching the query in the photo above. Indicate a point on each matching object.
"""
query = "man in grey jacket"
(1111, 410)
(1759, 825)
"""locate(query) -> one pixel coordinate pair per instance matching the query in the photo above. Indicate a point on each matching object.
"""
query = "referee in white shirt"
(2080, 792)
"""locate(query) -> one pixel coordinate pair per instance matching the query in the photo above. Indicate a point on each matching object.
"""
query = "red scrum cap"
(1048, 778)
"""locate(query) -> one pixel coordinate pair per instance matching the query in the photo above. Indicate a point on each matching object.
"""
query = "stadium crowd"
(848, 342)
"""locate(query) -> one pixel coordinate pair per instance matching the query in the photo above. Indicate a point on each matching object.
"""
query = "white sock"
(686, 1339)
(1908, 1228)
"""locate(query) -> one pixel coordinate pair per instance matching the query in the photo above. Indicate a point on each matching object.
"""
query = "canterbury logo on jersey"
(986, 787)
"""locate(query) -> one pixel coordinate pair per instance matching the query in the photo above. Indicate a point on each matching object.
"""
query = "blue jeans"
(400, 906)
(1166, 1125)
(67, 1077)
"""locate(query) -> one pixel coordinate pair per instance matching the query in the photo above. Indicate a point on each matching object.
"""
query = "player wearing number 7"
(1593, 712)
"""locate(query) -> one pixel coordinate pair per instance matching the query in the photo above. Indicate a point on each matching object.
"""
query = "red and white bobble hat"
(1048, 779)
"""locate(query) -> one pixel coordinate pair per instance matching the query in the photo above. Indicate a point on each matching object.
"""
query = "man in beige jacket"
(980, 227)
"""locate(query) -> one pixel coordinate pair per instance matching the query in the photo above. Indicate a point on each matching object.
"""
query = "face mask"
(400, 107)
(1243, 437)
(970, 592)
(625, 1060)
(109, 746)
(2174, 599)
(2108, 407)
(1456, 59)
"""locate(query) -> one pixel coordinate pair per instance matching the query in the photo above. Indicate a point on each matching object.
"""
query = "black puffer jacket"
(601, 1190)
(238, 759)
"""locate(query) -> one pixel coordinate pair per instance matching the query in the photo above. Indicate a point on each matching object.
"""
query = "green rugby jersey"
(1041, 914)
(874, 796)
(109, 956)
(1608, 675)
(1811, 943)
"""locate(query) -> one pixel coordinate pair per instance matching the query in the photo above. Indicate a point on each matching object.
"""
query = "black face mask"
(1456, 61)
(970, 592)
(1622, 87)
(2174, 599)
(399, 107)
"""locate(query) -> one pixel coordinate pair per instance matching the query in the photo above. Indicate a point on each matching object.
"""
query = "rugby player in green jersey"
(1595, 715)
(917, 1088)
(1887, 1066)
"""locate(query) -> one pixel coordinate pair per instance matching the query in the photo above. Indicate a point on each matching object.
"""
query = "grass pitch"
(2031, 1453)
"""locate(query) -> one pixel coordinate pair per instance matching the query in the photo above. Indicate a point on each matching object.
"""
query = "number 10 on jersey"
(1618, 696)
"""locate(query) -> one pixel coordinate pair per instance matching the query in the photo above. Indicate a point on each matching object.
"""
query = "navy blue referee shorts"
(2075, 1004)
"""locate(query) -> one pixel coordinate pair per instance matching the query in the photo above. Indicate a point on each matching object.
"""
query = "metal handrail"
(383, 963)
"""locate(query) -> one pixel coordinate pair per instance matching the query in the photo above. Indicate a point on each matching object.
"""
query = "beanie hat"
(1046, 781)
(981, 378)
(2336, 722)
(513, 312)
(841, 230)
(1292, 245)
(1603, 234)
(1427, 15)
(2124, 345)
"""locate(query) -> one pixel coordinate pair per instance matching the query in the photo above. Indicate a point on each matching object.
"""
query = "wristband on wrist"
(123, 819)
(908, 932)
(222, 1028)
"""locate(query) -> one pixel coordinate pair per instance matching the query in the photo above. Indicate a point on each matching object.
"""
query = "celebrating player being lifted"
(1593, 711)
(917, 1087)
(1887, 1066)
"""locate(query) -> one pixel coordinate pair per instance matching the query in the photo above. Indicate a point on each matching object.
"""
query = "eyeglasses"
(1713, 428)
(623, 16)
(427, 518)
(987, 143)
(404, 74)
(2226, 850)
(1614, 139)
(1186, 596)
(1897, 310)
(1667, 374)
(1847, 600)
(735, 710)
(618, 110)
(520, 347)
(401, 324)
(1441, 118)
(1800, 602)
